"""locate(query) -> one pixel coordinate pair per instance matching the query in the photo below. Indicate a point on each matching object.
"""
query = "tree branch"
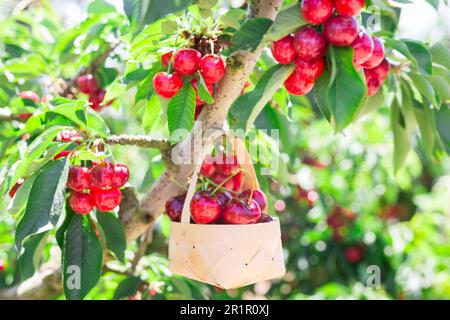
(140, 141)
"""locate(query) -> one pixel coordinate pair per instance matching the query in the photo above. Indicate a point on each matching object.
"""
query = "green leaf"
(442, 118)
(203, 92)
(100, 7)
(372, 103)
(441, 86)
(21, 197)
(114, 232)
(82, 258)
(321, 94)
(29, 260)
(287, 21)
(127, 287)
(247, 107)
(250, 35)
(233, 18)
(106, 76)
(401, 137)
(347, 91)
(441, 55)
(145, 88)
(152, 112)
(425, 88)
(180, 110)
(421, 55)
(46, 201)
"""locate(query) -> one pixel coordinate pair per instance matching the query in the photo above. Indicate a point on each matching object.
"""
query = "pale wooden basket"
(226, 256)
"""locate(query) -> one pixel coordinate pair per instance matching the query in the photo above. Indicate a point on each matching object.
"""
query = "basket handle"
(243, 159)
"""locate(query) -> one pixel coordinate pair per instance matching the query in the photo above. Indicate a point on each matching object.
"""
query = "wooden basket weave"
(226, 256)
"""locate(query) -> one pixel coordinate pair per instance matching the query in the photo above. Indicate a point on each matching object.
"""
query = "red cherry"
(238, 182)
(372, 86)
(87, 84)
(198, 110)
(309, 44)
(165, 58)
(198, 101)
(264, 218)
(219, 177)
(349, 8)
(96, 99)
(258, 195)
(223, 197)
(121, 175)
(379, 72)
(212, 68)
(102, 175)
(167, 85)
(227, 164)
(81, 203)
(62, 154)
(79, 178)
(205, 208)
(246, 85)
(106, 200)
(14, 189)
(174, 207)
(317, 11)
(238, 211)
(377, 54)
(186, 61)
(309, 70)
(283, 50)
(24, 116)
(208, 167)
(297, 85)
(68, 135)
(362, 47)
(340, 30)
(30, 95)
(2, 265)
(353, 254)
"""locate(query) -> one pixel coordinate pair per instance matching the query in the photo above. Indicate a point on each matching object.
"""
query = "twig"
(146, 239)
(140, 141)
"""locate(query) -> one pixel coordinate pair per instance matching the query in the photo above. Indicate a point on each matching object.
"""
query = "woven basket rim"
(275, 220)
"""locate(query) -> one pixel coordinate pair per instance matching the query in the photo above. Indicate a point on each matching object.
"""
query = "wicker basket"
(226, 256)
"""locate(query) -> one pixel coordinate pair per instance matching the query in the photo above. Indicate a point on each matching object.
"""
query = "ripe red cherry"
(14, 189)
(258, 195)
(309, 70)
(377, 54)
(24, 116)
(87, 84)
(186, 61)
(30, 95)
(340, 30)
(62, 154)
(205, 208)
(227, 164)
(106, 200)
(317, 11)
(349, 8)
(264, 218)
(223, 197)
(238, 182)
(121, 175)
(212, 68)
(2, 265)
(379, 72)
(198, 110)
(208, 167)
(246, 85)
(239, 211)
(96, 99)
(283, 50)
(372, 86)
(79, 178)
(68, 135)
(219, 177)
(353, 254)
(174, 207)
(102, 175)
(309, 44)
(362, 47)
(81, 203)
(165, 58)
(198, 101)
(297, 85)
(167, 85)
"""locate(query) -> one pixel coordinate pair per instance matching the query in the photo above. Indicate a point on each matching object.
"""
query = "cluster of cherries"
(307, 46)
(97, 186)
(187, 62)
(226, 203)
(89, 85)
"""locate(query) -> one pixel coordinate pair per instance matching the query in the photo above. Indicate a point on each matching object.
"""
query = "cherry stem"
(211, 42)
(226, 189)
(177, 183)
(225, 181)
(253, 183)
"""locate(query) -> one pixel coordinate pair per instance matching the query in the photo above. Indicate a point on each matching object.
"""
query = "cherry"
(309, 44)
(297, 85)
(349, 8)
(283, 50)
(264, 218)
(379, 72)
(212, 68)
(258, 195)
(79, 178)
(165, 58)
(106, 200)
(227, 164)
(198, 101)
(219, 177)
(309, 70)
(2, 265)
(96, 99)
(223, 197)
(238, 182)
(205, 208)
(102, 175)
(121, 175)
(30, 95)
(198, 110)
(16, 187)
(208, 167)
(340, 30)
(317, 11)
(174, 207)
(24, 116)
(87, 84)
(246, 85)
(68, 135)
(362, 48)
(62, 154)
(377, 54)
(372, 86)
(81, 203)
(167, 85)
(353, 254)
(186, 61)
(238, 211)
